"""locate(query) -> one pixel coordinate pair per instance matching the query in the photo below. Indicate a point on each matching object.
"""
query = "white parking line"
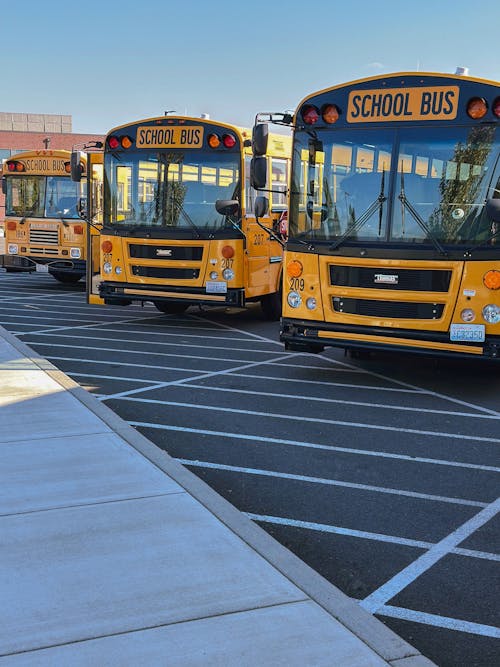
(330, 482)
(391, 588)
(317, 420)
(440, 621)
(364, 404)
(364, 535)
(310, 445)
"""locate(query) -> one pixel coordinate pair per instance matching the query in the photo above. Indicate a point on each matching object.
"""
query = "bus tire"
(65, 277)
(360, 353)
(171, 307)
(271, 306)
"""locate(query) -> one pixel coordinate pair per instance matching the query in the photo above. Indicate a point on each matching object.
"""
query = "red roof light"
(310, 114)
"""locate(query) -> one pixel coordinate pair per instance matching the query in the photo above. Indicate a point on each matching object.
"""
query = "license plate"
(467, 332)
(42, 268)
(216, 287)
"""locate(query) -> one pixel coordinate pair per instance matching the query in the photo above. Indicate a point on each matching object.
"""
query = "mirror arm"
(270, 232)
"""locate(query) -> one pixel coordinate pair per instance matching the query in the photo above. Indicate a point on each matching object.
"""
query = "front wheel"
(271, 306)
(171, 308)
(65, 277)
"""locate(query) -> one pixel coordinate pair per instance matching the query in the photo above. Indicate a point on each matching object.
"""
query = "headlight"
(311, 303)
(118, 270)
(468, 315)
(75, 253)
(12, 249)
(228, 274)
(294, 299)
(214, 275)
(491, 313)
(106, 267)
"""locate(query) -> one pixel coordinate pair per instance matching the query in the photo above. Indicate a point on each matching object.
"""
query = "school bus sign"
(403, 104)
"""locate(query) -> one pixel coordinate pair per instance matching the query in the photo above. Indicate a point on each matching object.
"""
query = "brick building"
(26, 131)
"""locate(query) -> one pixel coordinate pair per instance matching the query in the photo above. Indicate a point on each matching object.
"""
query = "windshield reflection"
(170, 189)
(448, 173)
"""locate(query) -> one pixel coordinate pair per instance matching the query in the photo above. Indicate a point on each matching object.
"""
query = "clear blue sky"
(107, 63)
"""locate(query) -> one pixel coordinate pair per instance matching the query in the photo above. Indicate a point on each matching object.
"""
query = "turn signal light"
(330, 113)
(294, 268)
(67, 167)
(477, 108)
(310, 114)
(106, 247)
(491, 279)
(213, 141)
(227, 252)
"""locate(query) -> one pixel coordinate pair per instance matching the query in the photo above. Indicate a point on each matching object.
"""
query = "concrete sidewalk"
(111, 553)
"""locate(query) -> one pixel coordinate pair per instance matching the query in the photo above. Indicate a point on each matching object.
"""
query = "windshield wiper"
(189, 220)
(357, 224)
(405, 204)
(479, 245)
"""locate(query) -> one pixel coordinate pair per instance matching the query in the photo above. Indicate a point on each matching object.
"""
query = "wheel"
(359, 353)
(65, 277)
(271, 306)
(171, 307)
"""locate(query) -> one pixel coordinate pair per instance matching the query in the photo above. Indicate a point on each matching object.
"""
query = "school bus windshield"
(404, 185)
(169, 189)
(41, 196)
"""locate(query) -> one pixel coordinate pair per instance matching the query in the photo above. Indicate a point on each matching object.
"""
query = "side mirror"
(227, 206)
(258, 172)
(261, 206)
(260, 135)
(4, 185)
(493, 209)
(81, 208)
(76, 166)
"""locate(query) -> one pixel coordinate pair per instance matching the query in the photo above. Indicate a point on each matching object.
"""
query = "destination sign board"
(403, 104)
(186, 136)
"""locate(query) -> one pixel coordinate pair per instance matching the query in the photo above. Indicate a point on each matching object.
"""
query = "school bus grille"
(393, 278)
(390, 309)
(44, 236)
(166, 252)
(165, 272)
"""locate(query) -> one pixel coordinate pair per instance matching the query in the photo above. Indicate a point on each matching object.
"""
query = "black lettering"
(437, 103)
(448, 98)
(376, 105)
(406, 111)
(141, 137)
(355, 103)
(425, 104)
(387, 105)
(398, 104)
(366, 101)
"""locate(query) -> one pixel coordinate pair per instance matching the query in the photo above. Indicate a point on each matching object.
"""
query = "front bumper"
(307, 336)
(125, 293)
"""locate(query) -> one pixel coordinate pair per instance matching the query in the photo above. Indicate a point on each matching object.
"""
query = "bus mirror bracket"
(76, 166)
(493, 209)
(260, 137)
(261, 207)
(258, 173)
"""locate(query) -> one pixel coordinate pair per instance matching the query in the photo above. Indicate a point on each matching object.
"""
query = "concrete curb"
(387, 644)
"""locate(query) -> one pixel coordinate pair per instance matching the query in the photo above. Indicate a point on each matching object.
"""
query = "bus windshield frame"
(170, 190)
(408, 185)
(39, 196)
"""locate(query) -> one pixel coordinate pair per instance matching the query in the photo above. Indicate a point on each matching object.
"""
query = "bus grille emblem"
(164, 252)
(387, 279)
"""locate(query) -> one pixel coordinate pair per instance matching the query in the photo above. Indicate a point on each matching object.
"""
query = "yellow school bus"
(394, 218)
(43, 228)
(178, 227)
